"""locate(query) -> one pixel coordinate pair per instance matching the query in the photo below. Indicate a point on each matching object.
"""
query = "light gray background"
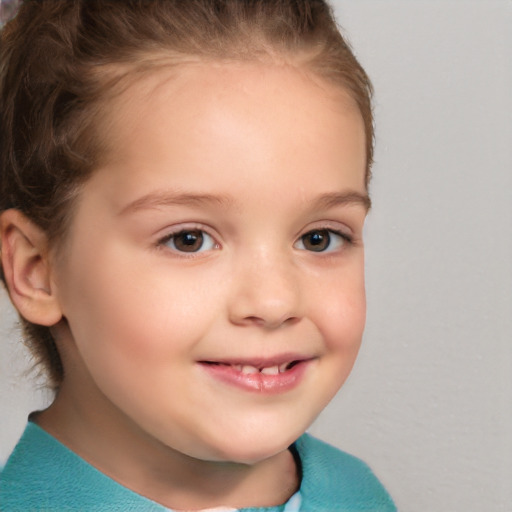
(429, 404)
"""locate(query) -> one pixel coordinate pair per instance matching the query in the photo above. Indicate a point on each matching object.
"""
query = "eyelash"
(344, 239)
(197, 233)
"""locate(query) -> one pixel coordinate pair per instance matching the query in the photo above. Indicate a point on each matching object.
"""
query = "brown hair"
(60, 59)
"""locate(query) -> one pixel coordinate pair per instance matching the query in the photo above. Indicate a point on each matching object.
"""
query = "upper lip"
(260, 362)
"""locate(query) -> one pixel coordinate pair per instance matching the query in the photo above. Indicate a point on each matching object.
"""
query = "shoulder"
(42, 474)
(335, 480)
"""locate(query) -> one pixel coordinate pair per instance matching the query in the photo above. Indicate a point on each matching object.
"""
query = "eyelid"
(329, 225)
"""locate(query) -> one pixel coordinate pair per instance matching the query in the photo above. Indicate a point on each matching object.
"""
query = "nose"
(266, 292)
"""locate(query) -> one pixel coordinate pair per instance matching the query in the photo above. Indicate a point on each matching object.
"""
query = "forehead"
(255, 118)
(251, 86)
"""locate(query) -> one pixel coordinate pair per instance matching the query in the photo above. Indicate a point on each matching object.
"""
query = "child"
(183, 193)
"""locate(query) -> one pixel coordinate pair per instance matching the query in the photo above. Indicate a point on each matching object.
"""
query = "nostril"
(271, 323)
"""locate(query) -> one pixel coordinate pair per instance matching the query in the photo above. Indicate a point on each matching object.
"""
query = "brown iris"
(317, 240)
(188, 241)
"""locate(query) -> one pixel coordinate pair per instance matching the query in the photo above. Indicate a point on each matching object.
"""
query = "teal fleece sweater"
(43, 475)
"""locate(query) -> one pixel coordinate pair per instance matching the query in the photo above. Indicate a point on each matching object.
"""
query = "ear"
(24, 251)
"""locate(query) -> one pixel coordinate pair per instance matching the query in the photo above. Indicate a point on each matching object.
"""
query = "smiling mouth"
(269, 376)
(248, 369)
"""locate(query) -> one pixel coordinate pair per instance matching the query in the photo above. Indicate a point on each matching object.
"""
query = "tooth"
(237, 367)
(283, 367)
(248, 370)
(271, 370)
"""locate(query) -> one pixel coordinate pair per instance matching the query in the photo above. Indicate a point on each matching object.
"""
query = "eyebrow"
(334, 199)
(156, 200)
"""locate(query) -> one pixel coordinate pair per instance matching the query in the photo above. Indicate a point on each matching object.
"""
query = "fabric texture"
(43, 475)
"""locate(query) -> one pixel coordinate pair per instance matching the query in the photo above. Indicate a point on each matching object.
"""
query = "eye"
(190, 240)
(322, 240)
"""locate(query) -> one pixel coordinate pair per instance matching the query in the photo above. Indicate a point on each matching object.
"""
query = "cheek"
(341, 312)
(127, 300)
(130, 326)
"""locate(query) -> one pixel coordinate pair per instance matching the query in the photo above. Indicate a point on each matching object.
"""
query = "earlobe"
(26, 267)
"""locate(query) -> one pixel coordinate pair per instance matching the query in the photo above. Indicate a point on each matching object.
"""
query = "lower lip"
(259, 382)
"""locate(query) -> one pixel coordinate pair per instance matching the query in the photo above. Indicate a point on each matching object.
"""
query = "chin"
(253, 447)
(251, 456)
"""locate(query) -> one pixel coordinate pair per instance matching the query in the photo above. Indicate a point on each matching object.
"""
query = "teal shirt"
(43, 475)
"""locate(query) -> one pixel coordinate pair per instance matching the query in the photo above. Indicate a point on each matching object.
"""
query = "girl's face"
(213, 278)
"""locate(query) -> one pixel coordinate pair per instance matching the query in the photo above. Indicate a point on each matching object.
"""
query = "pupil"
(189, 241)
(317, 240)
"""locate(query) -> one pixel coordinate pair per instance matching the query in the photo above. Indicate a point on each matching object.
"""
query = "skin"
(261, 145)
